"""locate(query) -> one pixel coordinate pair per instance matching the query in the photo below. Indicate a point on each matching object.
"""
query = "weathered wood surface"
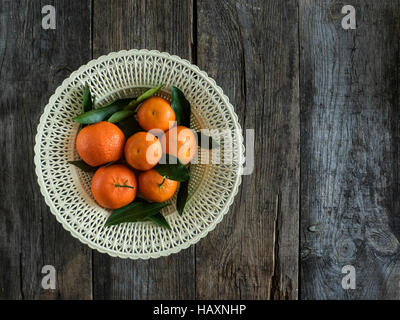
(350, 150)
(165, 26)
(320, 98)
(250, 49)
(33, 62)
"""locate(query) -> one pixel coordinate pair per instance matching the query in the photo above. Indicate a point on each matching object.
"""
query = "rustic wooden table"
(324, 104)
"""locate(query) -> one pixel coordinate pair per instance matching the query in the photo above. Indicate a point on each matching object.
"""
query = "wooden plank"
(350, 150)
(165, 26)
(250, 49)
(33, 62)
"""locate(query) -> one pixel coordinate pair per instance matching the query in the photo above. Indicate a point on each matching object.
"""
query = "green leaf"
(129, 126)
(201, 137)
(182, 196)
(173, 169)
(87, 103)
(159, 220)
(136, 211)
(120, 115)
(147, 94)
(97, 115)
(110, 163)
(83, 166)
(180, 106)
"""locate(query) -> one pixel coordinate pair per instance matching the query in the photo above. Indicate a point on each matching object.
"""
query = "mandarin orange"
(114, 186)
(180, 142)
(156, 113)
(156, 188)
(100, 143)
(143, 151)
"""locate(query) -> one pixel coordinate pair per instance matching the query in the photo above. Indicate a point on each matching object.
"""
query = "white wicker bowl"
(66, 189)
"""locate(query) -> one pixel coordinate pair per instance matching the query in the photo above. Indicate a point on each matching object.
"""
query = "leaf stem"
(160, 185)
(117, 185)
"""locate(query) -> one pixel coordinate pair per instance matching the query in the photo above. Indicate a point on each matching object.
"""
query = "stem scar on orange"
(156, 188)
(143, 151)
(114, 186)
(180, 142)
(100, 143)
(156, 113)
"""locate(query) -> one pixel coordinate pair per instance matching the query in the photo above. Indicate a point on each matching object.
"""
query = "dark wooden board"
(165, 26)
(33, 62)
(250, 49)
(350, 120)
(294, 75)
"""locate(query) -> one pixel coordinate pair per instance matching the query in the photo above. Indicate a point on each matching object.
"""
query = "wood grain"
(273, 59)
(349, 88)
(33, 62)
(165, 26)
(250, 49)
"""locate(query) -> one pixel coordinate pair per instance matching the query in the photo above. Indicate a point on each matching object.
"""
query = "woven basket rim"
(52, 100)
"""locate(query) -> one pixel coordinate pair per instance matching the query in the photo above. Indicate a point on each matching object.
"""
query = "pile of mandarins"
(115, 185)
